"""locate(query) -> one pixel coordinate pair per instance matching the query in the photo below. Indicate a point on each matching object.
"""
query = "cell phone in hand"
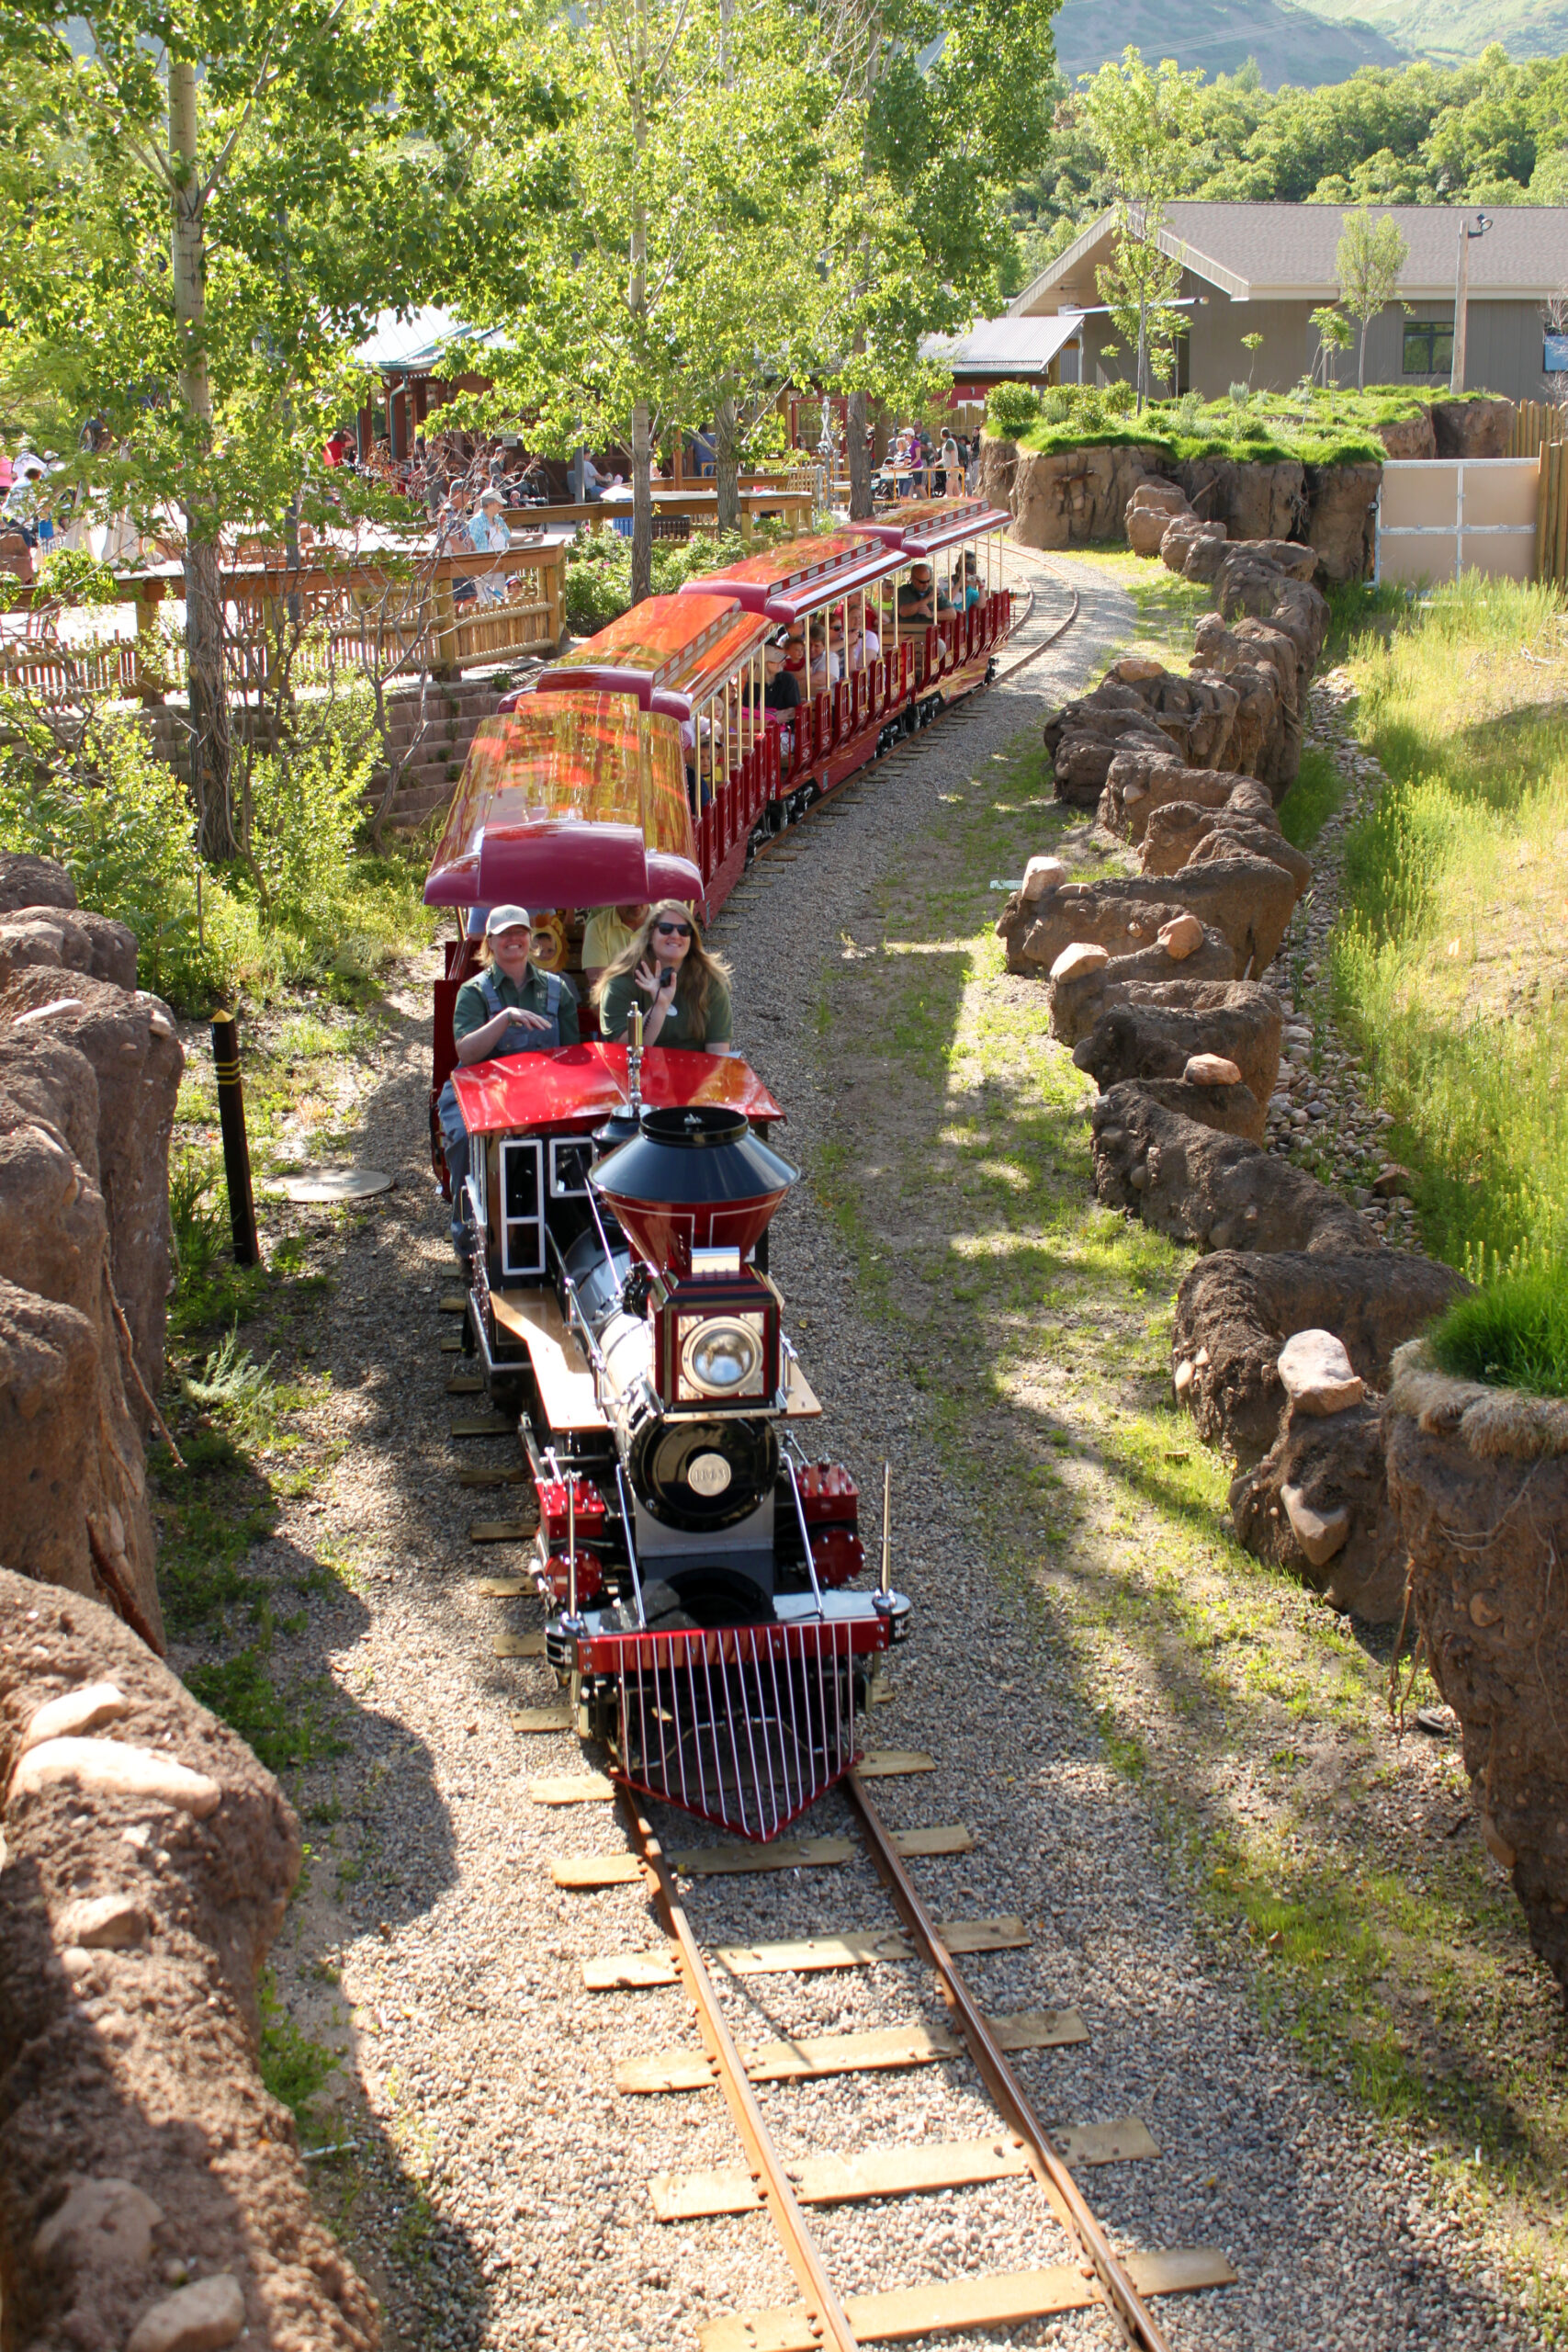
(667, 978)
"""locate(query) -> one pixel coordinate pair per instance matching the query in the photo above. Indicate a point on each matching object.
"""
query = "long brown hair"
(697, 969)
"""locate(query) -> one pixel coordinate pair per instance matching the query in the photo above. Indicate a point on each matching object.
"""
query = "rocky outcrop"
(1472, 428)
(1216, 1190)
(1072, 496)
(1253, 501)
(89, 1073)
(1478, 1480)
(1236, 1308)
(151, 2190)
(1409, 436)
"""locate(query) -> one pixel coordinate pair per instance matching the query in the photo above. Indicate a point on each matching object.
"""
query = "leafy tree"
(1141, 123)
(204, 205)
(1368, 264)
(1333, 333)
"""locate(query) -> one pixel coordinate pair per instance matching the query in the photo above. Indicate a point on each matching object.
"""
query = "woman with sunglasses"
(682, 987)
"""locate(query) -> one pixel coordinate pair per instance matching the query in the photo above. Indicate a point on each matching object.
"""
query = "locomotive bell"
(692, 1178)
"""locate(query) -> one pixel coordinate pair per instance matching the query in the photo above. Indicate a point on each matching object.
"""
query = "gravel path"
(496, 2194)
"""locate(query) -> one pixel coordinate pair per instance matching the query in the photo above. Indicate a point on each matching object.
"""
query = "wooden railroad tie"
(801, 1956)
(501, 1530)
(540, 1719)
(451, 1345)
(453, 1302)
(517, 1646)
(504, 1588)
(489, 1426)
(586, 1871)
(483, 1475)
(464, 1384)
(846, 2053)
(942, 2308)
(896, 2172)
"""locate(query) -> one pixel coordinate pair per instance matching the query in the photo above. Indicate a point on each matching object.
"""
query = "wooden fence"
(355, 616)
(1535, 423)
(1551, 513)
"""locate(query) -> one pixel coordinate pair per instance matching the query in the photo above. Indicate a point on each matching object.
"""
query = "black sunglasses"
(675, 930)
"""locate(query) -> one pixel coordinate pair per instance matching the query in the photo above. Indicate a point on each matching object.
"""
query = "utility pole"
(1462, 297)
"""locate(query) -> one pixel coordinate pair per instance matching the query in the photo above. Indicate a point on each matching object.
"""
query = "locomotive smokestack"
(694, 1179)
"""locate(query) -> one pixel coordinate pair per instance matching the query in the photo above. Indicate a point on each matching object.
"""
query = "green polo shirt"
(471, 1011)
(623, 993)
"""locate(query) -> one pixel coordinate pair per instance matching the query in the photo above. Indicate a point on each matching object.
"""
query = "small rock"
(1317, 1375)
(1082, 957)
(1392, 1179)
(1321, 1534)
(76, 1711)
(197, 2319)
(1182, 937)
(101, 2220)
(1042, 874)
(109, 1767)
(1184, 1376)
(103, 1923)
(1211, 1069)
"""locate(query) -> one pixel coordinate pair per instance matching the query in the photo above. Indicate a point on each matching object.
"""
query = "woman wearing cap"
(512, 1008)
(682, 987)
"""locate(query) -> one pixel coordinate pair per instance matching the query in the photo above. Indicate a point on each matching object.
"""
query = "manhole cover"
(335, 1184)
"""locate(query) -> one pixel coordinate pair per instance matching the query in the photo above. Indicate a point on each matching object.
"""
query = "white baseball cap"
(507, 919)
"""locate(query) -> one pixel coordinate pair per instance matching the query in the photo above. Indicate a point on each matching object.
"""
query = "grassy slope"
(1451, 966)
(1341, 1862)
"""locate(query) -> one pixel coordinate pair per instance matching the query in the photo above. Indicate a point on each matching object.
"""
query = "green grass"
(1514, 1333)
(294, 2067)
(1036, 1329)
(1448, 962)
(1314, 796)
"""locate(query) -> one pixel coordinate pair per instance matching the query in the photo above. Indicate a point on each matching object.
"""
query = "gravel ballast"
(497, 2191)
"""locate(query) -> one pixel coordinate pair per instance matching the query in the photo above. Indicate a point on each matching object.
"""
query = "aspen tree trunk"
(209, 741)
(636, 303)
(727, 464)
(857, 453)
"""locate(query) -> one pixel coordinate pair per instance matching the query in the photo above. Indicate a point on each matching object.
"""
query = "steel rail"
(825, 2310)
(1061, 2192)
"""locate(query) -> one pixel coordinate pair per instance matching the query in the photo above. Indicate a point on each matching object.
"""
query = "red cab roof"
(930, 524)
(800, 575)
(578, 1085)
(569, 801)
(667, 651)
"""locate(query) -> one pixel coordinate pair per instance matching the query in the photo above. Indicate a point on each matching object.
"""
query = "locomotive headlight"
(721, 1356)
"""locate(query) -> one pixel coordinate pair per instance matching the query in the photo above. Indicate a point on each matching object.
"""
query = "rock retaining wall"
(152, 2195)
(1160, 982)
(89, 1072)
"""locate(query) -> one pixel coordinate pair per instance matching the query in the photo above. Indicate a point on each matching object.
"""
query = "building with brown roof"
(1264, 268)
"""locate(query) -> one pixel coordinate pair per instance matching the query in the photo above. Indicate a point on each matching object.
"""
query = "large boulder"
(1250, 588)
(1248, 899)
(1344, 503)
(1077, 1002)
(1478, 1478)
(27, 881)
(149, 1860)
(1139, 782)
(1234, 834)
(1153, 507)
(1192, 546)
(1317, 1504)
(1228, 1109)
(1236, 1308)
(1472, 428)
(1174, 829)
(1084, 736)
(67, 940)
(1071, 496)
(1217, 1191)
(1145, 1036)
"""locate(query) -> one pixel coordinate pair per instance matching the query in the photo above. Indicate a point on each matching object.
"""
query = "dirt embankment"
(151, 2192)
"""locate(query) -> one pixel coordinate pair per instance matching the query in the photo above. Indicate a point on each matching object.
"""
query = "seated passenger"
(971, 579)
(512, 1008)
(781, 691)
(609, 930)
(917, 597)
(681, 985)
(824, 667)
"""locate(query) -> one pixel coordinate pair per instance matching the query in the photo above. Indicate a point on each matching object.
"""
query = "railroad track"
(1092, 2274)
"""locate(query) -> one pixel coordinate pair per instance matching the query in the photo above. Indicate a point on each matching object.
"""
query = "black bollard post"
(236, 1151)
